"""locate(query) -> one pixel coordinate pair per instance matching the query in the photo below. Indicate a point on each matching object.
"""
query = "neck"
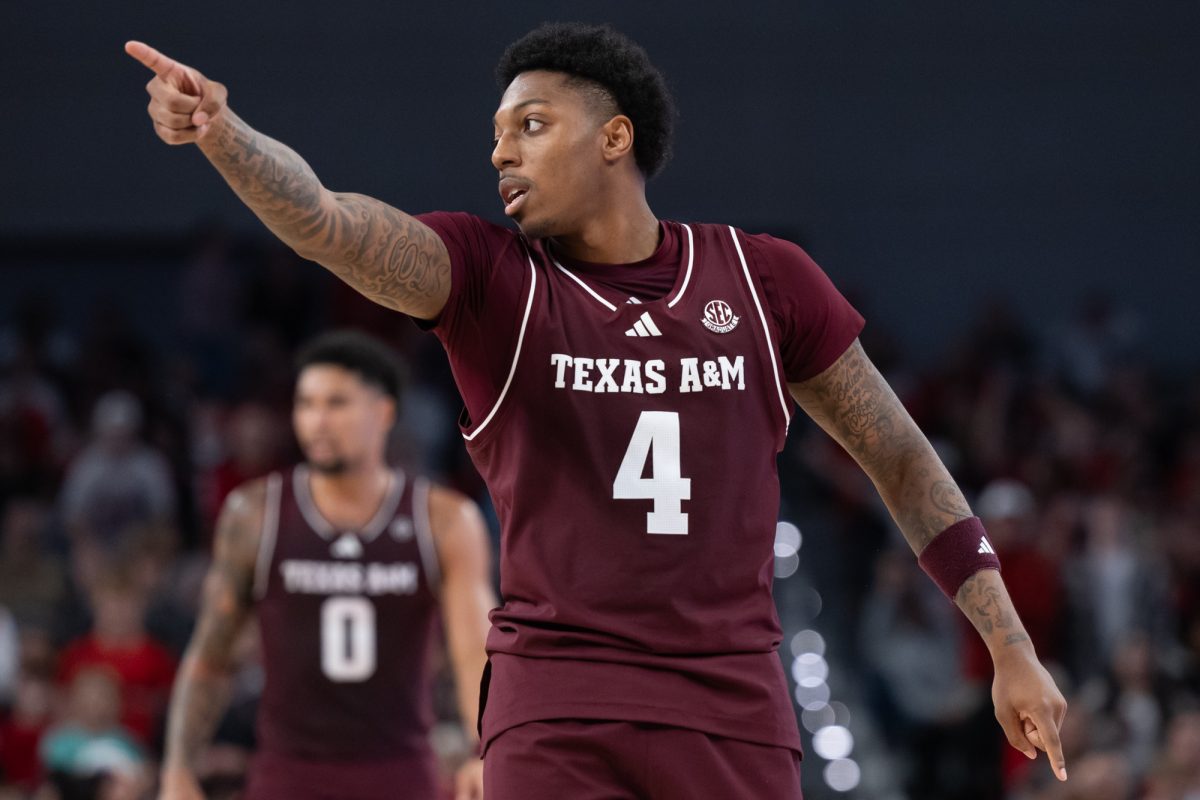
(627, 233)
(343, 495)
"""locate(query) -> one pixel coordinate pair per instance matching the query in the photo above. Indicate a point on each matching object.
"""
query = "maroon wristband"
(956, 554)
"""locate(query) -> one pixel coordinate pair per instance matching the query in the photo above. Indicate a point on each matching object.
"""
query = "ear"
(391, 411)
(617, 136)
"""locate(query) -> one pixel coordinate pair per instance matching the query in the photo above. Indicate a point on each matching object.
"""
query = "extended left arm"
(464, 553)
(853, 403)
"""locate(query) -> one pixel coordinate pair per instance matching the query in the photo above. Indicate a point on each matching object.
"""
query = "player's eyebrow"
(529, 102)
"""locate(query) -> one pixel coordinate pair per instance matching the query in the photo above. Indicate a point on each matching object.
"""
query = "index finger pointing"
(1053, 746)
(150, 57)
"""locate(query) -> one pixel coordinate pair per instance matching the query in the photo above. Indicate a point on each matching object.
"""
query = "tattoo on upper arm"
(387, 255)
(854, 403)
(390, 257)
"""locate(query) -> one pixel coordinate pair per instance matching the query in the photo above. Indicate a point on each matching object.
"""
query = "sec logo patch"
(719, 317)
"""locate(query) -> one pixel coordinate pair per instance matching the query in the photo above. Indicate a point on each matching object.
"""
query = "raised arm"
(853, 403)
(202, 686)
(383, 253)
(464, 553)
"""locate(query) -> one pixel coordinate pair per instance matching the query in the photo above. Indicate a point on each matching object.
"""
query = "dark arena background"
(1010, 192)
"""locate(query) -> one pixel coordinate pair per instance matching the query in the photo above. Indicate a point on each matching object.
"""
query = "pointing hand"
(183, 103)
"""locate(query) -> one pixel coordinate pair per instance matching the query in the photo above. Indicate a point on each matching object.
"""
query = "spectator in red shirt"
(21, 733)
(118, 640)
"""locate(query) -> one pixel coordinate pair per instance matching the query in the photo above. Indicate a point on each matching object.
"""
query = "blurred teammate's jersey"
(346, 620)
(630, 452)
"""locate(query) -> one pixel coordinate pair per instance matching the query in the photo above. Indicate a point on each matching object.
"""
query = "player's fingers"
(212, 102)
(171, 136)
(1047, 728)
(1011, 724)
(170, 98)
(150, 58)
(168, 119)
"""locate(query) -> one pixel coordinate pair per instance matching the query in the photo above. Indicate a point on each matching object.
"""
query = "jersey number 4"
(657, 432)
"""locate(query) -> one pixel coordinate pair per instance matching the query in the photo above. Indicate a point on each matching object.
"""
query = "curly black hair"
(374, 362)
(600, 55)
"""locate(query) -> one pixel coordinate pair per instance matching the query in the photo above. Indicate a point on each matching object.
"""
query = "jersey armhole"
(270, 532)
(424, 534)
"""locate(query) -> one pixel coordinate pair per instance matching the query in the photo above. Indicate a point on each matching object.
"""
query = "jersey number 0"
(657, 432)
(348, 639)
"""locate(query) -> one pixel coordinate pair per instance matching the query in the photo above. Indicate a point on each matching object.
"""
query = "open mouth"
(513, 192)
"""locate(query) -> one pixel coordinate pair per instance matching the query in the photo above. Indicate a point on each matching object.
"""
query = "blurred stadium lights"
(828, 722)
(787, 549)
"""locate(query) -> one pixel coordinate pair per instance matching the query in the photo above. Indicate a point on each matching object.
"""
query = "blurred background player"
(345, 562)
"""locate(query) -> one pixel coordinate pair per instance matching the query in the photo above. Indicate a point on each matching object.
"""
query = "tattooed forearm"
(985, 601)
(202, 687)
(947, 497)
(855, 405)
(385, 254)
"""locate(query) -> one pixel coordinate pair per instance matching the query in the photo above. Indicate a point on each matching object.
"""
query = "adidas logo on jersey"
(644, 327)
(402, 529)
(346, 546)
(985, 546)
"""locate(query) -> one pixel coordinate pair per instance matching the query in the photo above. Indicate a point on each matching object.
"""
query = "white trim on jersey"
(316, 520)
(787, 414)
(424, 535)
(270, 532)
(687, 276)
(516, 355)
(586, 288)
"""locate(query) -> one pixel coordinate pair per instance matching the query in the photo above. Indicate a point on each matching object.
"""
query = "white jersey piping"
(424, 534)
(516, 356)
(687, 276)
(787, 416)
(312, 515)
(270, 532)
(586, 288)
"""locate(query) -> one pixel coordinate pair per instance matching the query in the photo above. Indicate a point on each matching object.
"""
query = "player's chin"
(534, 227)
(327, 466)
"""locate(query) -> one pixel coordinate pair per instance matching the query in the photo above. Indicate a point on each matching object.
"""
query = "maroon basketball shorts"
(276, 777)
(606, 760)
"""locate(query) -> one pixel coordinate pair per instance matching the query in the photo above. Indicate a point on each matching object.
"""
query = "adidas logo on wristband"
(985, 546)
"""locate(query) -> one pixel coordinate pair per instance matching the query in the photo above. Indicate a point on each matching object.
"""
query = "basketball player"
(628, 382)
(346, 563)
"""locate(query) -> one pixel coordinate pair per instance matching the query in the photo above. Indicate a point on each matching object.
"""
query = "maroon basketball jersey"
(346, 619)
(630, 454)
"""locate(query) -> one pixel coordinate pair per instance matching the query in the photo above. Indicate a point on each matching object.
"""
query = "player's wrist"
(1010, 647)
(957, 553)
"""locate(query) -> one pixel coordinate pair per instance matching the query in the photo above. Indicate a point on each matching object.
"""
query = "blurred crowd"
(1084, 464)
(119, 444)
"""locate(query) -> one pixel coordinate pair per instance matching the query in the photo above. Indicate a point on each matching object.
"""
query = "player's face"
(340, 421)
(549, 152)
